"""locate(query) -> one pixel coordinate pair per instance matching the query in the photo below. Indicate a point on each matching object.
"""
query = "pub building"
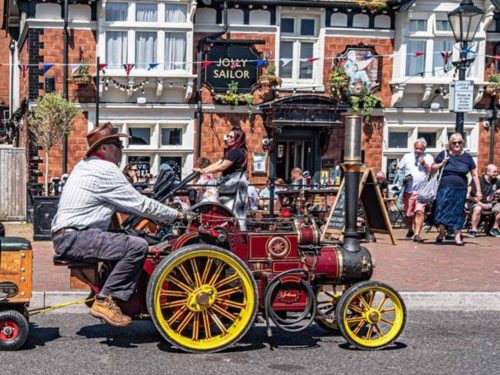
(176, 75)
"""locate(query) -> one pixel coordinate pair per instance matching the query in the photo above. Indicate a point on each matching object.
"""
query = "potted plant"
(270, 78)
(493, 85)
(339, 83)
(82, 76)
(233, 98)
(364, 103)
(374, 5)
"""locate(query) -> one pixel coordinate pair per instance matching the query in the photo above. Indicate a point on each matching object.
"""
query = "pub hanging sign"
(226, 63)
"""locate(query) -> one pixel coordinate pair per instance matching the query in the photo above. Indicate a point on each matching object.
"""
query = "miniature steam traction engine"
(206, 280)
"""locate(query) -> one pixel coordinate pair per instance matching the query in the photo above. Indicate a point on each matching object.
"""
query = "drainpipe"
(97, 85)
(493, 126)
(65, 84)
(199, 78)
(352, 168)
(12, 47)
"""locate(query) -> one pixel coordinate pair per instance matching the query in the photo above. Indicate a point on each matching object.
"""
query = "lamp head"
(465, 21)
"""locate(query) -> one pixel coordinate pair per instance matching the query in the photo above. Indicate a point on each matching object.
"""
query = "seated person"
(296, 177)
(265, 194)
(95, 190)
(382, 183)
(490, 187)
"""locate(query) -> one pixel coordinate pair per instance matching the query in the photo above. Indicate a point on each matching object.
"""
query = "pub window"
(171, 137)
(145, 49)
(143, 164)
(146, 12)
(418, 25)
(415, 64)
(175, 13)
(398, 140)
(430, 138)
(175, 50)
(299, 36)
(443, 25)
(116, 48)
(175, 162)
(139, 136)
(116, 12)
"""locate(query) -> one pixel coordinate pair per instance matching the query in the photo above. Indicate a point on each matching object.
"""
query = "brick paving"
(407, 266)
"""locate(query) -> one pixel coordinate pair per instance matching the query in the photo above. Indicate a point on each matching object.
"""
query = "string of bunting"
(234, 63)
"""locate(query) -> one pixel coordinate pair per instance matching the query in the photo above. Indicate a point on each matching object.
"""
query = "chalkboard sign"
(336, 220)
(373, 207)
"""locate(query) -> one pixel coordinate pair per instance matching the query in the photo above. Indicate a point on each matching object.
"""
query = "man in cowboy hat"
(93, 192)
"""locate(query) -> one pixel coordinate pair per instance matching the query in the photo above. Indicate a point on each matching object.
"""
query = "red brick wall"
(81, 48)
(372, 141)
(484, 148)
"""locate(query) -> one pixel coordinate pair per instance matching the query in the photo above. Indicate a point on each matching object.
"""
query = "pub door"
(297, 148)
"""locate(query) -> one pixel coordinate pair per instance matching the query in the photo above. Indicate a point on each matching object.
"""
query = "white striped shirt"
(95, 190)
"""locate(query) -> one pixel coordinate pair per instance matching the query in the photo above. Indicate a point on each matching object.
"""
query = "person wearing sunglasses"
(233, 184)
(457, 164)
(130, 172)
(415, 166)
(95, 189)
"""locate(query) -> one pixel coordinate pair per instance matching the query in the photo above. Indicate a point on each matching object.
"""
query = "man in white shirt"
(95, 189)
(416, 166)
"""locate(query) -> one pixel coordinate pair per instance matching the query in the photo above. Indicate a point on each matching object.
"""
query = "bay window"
(144, 33)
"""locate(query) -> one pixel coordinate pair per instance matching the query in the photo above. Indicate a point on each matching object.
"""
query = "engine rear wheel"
(371, 315)
(327, 298)
(202, 298)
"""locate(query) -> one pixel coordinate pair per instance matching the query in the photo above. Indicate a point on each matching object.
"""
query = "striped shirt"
(95, 190)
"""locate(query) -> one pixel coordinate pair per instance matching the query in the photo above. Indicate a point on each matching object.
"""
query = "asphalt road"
(432, 343)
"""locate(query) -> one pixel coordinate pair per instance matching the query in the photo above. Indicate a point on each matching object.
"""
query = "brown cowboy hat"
(102, 134)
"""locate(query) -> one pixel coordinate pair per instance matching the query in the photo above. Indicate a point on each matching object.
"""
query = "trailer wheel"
(371, 315)
(202, 298)
(14, 330)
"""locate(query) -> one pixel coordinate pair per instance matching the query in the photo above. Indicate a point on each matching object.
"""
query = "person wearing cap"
(95, 189)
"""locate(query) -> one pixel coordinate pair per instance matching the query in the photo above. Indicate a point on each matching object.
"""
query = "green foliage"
(49, 121)
(375, 5)
(364, 103)
(270, 78)
(233, 98)
(339, 83)
(493, 86)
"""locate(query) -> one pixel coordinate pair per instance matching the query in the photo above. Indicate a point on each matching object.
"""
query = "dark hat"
(102, 134)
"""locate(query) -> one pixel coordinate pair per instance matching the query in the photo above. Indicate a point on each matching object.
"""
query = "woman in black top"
(233, 188)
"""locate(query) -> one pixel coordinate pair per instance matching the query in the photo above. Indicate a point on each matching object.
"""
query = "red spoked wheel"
(13, 330)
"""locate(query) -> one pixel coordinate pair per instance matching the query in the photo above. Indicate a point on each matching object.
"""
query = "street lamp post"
(464, 23)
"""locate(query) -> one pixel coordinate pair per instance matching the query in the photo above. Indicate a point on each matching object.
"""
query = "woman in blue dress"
(450, 198)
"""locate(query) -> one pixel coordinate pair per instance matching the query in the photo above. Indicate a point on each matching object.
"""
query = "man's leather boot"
(109, 311)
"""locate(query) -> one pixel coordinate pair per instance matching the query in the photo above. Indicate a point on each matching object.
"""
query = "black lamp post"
(464, 22)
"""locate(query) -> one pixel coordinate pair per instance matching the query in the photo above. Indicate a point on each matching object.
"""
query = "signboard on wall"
(226, 63)
(462, 96)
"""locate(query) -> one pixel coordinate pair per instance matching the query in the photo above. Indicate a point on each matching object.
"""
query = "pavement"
(429, 276)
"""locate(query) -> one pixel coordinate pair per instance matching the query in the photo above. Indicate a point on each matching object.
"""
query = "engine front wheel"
(14, 330)
(202, 298)
(371, 315)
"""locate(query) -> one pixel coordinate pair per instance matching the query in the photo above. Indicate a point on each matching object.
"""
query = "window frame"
(160, 28)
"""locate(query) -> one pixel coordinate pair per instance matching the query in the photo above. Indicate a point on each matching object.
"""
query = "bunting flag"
(367, 57)
(153, 65)
(24, 68)
(46, 68)
(390, 57)
(128, 68)
(467, 50)
(286, 61)
(312, 59)
(75, 68)
(417, 54)
(446, 56)
(234, 64)
(102, 66)
(261, 62)
(206, 64)
(496, 58)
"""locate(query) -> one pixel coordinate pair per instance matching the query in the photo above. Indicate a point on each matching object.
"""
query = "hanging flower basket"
(233, 98)
(364, 103)
(81, 80)
(493, 86)
(270, 78)
(374, 5)
(339, 83)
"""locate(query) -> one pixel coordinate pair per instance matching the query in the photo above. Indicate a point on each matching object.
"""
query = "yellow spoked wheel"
(202, 298)
(371, 315)
(327, 298)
